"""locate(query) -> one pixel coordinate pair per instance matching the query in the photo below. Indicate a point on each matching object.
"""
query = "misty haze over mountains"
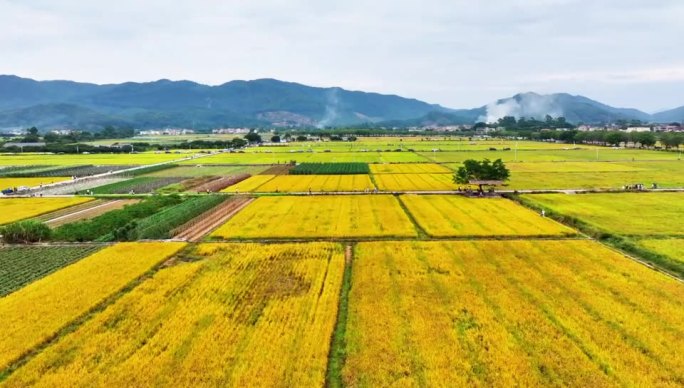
(268, 102)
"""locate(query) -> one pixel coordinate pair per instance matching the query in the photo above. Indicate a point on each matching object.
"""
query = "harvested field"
(202, 170)
(217, 185)
(139, 185)
(200, 226)
(281, 169)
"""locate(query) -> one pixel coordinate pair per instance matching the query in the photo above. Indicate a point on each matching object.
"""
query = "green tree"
(253, 137)
(275, 139)
(615, 138)
(485, 170)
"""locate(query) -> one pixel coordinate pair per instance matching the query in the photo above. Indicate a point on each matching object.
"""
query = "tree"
(615, 138)
(645, 139)
(275, 139)
(671, 140)
(253, 137)
(485, 170)
(302, 138)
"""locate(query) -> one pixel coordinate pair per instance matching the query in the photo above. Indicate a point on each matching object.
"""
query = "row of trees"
(614, 138)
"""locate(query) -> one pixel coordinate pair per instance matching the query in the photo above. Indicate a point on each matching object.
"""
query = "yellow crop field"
(415, 182)
(245, 315)
(28, 159)
(672, 248)
(410, 168)
(510, 313)
(15, 209)
(455, 215)
(319, 216)
(6, 183)
(250, 184)
(624, 213)
(35, 313)
(304, 183)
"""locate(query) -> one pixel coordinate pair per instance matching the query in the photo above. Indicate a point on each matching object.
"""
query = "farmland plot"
(455, 215)
(15, 209)
(415, 182)
(319, 216)
(410, 168)
(11, 183)
(20, 265)
(510, 313)
(625, 213)
(304, 183)
(243, 315)
(38, 311)
(249, 184)
(672, 248)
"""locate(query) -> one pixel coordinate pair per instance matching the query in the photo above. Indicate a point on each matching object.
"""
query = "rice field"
(454, 215)
(16, 209)
(410, 168)
(584, 154)
(11, 183)
(245, 315)
(36, 313)
(510, 313)
(27, 159)
(304, 183)
(415, 182)
(319, 216)
(250, 184)
(310, 157)
(187, 171)
(672, 248)
(624, 213)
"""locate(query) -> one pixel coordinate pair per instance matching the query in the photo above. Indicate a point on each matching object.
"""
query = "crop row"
(330, 168)
(138, 185)
(21, 265)
(110, 225)
(159, 225)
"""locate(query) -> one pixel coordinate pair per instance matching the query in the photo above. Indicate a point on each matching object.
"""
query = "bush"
(25, 232)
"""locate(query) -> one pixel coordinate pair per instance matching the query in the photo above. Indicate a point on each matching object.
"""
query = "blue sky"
(460, 54)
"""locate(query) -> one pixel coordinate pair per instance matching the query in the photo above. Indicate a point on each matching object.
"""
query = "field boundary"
(338, 342)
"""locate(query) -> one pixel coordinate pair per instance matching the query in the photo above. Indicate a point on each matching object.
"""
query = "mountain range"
(267, 102)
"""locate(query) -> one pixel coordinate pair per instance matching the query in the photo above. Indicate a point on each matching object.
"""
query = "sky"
(457, 53)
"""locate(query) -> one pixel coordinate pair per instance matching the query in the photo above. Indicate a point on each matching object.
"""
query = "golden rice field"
(304, 183)
(15, 209)
(415, 182)
(249, 184)
(510, 313)
(455, 215)
(35, 313)
(29, 159)
(6, 183)
(245, 315)
(319, 216)
(672, 248)
(410, 168)
(624, 213)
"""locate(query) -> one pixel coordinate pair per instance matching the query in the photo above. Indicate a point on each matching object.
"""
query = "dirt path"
(90, 212)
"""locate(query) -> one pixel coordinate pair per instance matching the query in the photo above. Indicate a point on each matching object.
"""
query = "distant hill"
(672, 115)
(267, 102)
(189, 104)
